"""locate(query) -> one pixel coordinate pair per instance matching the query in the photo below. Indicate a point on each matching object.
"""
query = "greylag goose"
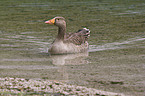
(68, 43)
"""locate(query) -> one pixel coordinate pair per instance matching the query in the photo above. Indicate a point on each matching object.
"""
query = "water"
(115, 61)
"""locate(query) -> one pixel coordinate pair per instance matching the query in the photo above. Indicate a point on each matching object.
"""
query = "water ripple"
(114, 45)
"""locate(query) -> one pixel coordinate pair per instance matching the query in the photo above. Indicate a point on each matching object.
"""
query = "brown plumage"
(68, 43)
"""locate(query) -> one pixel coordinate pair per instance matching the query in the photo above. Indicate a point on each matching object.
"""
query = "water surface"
(115, 60)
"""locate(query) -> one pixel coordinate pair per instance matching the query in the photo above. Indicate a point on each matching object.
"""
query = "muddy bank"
(29, 86)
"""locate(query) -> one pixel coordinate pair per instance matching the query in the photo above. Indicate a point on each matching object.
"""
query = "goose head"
(58, 21)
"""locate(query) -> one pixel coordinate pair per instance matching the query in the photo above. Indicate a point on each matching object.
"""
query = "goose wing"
(78, 38)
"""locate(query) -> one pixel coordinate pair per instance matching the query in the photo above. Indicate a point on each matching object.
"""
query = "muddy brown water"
(114, 62)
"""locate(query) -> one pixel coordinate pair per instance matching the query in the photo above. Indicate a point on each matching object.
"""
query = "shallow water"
(114, 62)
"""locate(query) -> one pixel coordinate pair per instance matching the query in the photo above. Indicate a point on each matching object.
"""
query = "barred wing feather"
(78, 38)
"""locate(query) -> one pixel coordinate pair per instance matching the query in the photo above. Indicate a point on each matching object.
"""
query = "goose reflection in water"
(70, 59)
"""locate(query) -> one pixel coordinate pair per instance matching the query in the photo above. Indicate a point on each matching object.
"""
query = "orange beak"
(52, 21)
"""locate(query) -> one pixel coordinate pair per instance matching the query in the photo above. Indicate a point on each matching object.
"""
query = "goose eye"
(57, 19)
